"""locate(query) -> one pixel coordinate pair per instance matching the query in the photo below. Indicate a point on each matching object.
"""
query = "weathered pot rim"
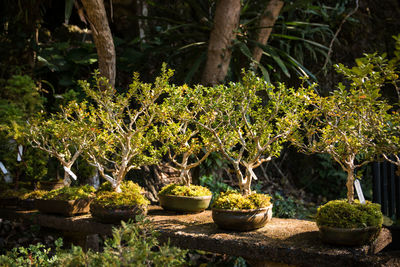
(348, 229)
(243, 211)
(187, 197)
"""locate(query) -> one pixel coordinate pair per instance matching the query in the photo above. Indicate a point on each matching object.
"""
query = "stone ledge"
(289, 241)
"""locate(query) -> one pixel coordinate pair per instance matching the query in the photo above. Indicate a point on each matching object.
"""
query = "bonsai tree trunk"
(226, 20)
(103, 40)
(350, 185)
(266, 24)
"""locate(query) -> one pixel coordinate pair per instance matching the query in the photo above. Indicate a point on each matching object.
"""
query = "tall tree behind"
(103, 40)
(226, 20)
(266, 24)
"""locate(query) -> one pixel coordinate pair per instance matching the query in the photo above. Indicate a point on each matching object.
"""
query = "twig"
(337, 33)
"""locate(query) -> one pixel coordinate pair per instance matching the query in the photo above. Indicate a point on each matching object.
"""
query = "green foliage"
(70, 193)
(232, 200)
(348, 124)
(185, 190)
(249, 121)
(132, 244)
(130, 195)
(36, 194)
(341, 214)
(34, 255)
(214, 185)
(284, 207)
(122, 125)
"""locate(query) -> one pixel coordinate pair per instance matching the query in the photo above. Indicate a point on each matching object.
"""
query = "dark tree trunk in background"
(226, 20)
(103, 40)
(266, 24)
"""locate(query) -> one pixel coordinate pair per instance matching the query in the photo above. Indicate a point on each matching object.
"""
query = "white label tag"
(68, 170)
(19, 153)
(359, 191)
(7, 178)
(3, 168)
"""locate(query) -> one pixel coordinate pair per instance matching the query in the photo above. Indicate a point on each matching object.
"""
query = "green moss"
(37, 194)
(341, 214)
(131, 195)
(70, 193)
(232, 200)
(185, 190)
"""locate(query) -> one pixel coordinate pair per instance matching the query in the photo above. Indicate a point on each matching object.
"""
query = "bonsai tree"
(249, 121)
(122, 126)
(61, 135)
(183, 140)
(348, 123)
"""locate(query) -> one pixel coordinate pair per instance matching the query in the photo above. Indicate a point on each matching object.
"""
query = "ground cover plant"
(132, 244)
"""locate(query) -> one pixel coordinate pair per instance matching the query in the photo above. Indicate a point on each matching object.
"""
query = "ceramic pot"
(116, 214)
(63, 207)
(348, 237)
(242, 220)
(184, 203)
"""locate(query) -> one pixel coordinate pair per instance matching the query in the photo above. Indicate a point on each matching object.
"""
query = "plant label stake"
(19, 153)
(68, 170)
(359, 191)
(7, 176)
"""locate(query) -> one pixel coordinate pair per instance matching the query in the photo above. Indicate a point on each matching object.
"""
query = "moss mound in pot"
(112, 207)
(185, 198)
(342, 223)
(233, 211)
(67, 201)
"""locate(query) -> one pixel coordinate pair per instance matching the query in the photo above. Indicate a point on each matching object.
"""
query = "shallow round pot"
(184, 203)
(242, 220)
(348, 237)
(116, 214)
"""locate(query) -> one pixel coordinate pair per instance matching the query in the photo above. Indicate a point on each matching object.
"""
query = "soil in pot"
(116, 214)
(242, 220)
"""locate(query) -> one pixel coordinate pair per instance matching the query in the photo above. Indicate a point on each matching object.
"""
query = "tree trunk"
(266, 24)
(245, 185)
(226, 20)
(103, 40)
(350, 185)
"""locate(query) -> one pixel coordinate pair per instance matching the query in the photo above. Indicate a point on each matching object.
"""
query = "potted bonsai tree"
(249, 122)
(67, 201)
(112, 207)
(183, 142)
(62, 137)
(122, 126)
(347, 125)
